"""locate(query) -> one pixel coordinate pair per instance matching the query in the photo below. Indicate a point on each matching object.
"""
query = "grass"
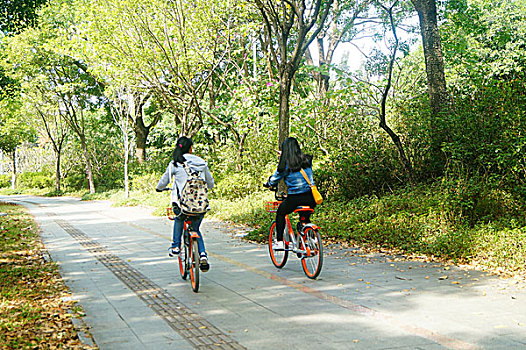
(34, 312)
(412, 222)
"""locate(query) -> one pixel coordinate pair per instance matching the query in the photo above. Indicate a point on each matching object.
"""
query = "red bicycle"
(305, 241)
(189, 255)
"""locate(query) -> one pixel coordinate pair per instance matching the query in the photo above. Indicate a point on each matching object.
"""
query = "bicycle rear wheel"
(312, 260)
(278, 257)
(194, 265)
(183, 262)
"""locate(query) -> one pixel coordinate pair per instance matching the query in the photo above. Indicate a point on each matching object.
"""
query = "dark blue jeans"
(178, 231)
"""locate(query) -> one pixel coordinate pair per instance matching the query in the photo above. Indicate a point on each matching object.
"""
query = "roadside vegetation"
(35, 306)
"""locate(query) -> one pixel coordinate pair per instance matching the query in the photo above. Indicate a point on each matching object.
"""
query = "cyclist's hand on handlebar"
(269, 186)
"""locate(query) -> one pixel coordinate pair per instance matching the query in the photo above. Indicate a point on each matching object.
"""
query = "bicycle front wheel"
(278, 257)
(194, 265)
(183, 262)
(312, 259)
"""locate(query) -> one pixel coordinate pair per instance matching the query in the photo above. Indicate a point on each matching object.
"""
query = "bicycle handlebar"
(279, 196)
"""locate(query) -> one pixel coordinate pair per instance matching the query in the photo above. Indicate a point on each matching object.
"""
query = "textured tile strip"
(192, 327)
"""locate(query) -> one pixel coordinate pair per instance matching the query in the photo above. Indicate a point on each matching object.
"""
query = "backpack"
(193, 198)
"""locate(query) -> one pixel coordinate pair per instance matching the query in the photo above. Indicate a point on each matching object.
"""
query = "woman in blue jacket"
(291, 161)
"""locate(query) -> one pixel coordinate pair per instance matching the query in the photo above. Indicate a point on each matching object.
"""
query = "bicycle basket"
(272, 207)
(170, 213)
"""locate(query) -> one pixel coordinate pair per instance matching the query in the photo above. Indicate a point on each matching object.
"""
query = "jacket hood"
(194, 162)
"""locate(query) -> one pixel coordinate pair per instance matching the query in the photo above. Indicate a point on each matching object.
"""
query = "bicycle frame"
(297, 236)
(189, 256)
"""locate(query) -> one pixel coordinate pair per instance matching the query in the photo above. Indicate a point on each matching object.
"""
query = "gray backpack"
(193, 198)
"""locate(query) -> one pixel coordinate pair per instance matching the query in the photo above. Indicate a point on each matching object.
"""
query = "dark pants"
(288, 206)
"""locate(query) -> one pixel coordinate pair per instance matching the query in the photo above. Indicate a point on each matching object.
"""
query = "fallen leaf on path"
(443, 277)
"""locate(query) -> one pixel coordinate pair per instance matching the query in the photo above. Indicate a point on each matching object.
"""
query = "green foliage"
(144, 183)
(5, 180)
(237, 185)
(502, 248)
(15, 127)
(41, 179)
(248, 210)
(359, 175)
(17, 14)
(409, 221)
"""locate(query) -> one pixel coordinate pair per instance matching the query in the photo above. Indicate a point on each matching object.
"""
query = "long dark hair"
(292, 156)
(181, 147)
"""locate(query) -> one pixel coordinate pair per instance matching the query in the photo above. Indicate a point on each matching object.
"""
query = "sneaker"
(278, 245)
(173, 251)
(203, 263)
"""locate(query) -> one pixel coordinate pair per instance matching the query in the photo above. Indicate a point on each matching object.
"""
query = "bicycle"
(189, 254)
(306, 241)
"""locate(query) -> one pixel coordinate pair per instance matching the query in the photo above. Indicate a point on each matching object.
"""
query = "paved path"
(114, 260)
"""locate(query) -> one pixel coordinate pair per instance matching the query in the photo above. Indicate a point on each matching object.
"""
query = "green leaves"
(15, 127)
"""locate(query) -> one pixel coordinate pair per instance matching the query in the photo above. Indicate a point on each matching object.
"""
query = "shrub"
(144, 183)
(5, 180)
(237, 185)
(41, 179)
(355, 176)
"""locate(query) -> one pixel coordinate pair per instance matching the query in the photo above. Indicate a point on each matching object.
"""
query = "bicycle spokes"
(312, 259)
(183, 264)
(194, 264)
(278, 257)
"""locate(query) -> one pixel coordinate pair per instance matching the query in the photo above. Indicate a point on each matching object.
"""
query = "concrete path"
(115, 262)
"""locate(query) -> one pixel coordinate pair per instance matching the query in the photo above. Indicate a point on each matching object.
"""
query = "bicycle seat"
(304, 209)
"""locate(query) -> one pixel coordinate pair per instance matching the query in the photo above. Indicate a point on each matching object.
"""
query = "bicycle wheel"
(183, 263)
(278, 257)
(194, 265)
(312, 260)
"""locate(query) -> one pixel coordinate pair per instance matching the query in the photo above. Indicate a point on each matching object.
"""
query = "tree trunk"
(126, 157)
(13, 175)
(323, 79)
(57, 171)
(285, 84)
(383, 123)
(141, 134)
(240, 151)
(436, 81)
(89, 171)
(401, 152)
